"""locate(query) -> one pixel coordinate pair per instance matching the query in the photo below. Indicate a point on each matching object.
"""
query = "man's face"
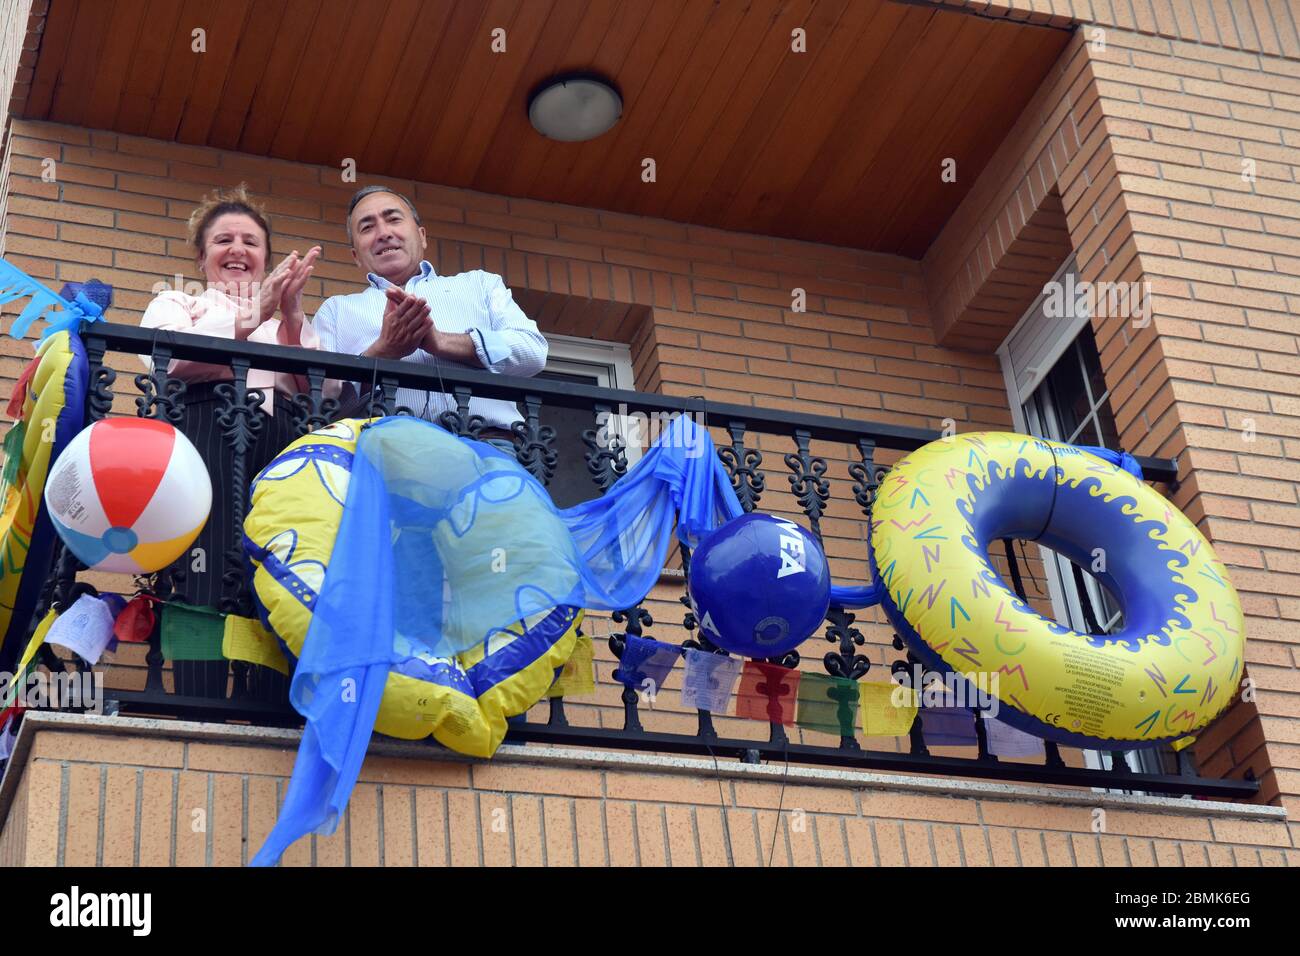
(385, 238)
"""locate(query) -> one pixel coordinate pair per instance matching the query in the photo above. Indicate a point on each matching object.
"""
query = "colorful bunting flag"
(85, 628)
(888, 710)
(191, 633)
(245, 639)
(1007, 741)
(767, 692)
(708, 681)
(948, 726)
(828, 704)
(578, 678)
(135, 623)
(645, 663)
(29, 655)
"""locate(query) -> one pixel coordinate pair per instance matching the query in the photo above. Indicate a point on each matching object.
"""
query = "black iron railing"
(162, 397)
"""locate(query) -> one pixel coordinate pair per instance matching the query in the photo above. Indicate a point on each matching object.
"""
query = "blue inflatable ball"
(760, 585)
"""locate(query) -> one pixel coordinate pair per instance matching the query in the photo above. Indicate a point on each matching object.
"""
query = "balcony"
(830, 468)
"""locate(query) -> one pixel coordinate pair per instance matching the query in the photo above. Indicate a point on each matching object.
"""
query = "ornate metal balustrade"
(756, 480)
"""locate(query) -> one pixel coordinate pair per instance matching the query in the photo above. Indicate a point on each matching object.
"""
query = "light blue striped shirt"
(505, 340)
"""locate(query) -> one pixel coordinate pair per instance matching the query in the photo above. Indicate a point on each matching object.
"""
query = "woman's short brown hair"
(219, 203)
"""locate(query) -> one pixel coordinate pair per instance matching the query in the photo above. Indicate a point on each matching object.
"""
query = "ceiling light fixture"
(574, 108)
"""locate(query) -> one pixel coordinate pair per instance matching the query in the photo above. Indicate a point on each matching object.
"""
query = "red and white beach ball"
(129, 495)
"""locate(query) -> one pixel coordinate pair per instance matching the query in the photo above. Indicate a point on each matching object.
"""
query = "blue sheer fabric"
(444, 542)
(79, 302)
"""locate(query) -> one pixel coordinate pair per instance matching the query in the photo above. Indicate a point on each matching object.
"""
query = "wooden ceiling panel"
(271, 97)
(224, 24)
(371, 82)
(248, 66)
(905, 92)
(755, 66)
(776, 99)
(327, 121)
(689, 84)
(148, 60)
(306, 94)
(917, 147)
(436, 48)
(551, 36)
(59, 23)
(669, 34)
(459, 146)
(799, 135)
(626, 26)
(840, 144)
(178, 82)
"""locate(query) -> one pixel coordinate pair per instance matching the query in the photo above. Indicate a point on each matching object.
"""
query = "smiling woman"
(232, 243)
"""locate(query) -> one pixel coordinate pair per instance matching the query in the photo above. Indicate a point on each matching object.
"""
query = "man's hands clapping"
(406, 325)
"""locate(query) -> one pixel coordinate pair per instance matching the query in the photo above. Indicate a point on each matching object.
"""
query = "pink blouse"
(215, 313)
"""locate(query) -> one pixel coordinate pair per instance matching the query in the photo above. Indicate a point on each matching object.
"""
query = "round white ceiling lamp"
(574, 108)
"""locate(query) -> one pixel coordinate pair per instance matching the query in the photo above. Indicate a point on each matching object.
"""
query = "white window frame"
(1055, 342)
(609, 362)
(1035, 320)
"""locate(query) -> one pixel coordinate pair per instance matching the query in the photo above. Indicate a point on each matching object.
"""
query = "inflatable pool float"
(1168, 671)
(51, 390)
(463, 701)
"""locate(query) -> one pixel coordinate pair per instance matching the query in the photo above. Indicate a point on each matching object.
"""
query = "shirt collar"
(426, 270)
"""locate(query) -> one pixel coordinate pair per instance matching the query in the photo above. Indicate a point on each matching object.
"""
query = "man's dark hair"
(370, 190)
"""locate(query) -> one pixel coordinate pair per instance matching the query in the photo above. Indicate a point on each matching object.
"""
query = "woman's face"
(234, 252)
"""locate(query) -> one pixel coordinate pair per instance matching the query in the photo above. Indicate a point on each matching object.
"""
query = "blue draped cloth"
(78, 302)
(444, 542)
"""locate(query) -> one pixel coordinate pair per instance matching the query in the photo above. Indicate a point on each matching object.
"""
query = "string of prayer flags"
(948, 726)
(888, 709)
(1007, 741)
(645, 663)
(768, 692)
(578, 678)
(85, 628)
(25, 662)
(191, 633)
(828, 704)
(116, 605)
(38, 638)
(245, 639)
(708, 681)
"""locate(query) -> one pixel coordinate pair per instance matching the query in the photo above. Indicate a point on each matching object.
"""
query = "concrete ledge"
(562, 757)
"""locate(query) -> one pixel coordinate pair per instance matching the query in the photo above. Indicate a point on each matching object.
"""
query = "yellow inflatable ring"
(463, 702)
(56, 392)
(1170, 670)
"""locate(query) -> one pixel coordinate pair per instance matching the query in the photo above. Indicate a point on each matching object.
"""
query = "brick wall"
(1259, 26)
(189, 795)
(705, 311)
(1129, 156)
(1142, 142)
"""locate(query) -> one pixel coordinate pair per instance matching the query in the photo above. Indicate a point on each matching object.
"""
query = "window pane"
(1092, 362)
(1087, 434)
(1109, 433)
(1069, 398)
(571, 484)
